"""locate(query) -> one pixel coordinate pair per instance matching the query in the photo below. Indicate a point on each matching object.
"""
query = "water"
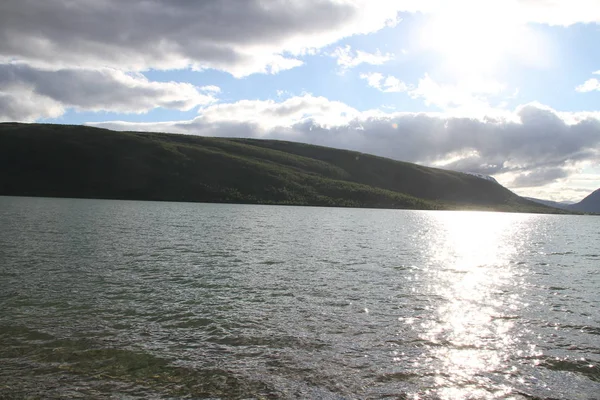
(123, 299)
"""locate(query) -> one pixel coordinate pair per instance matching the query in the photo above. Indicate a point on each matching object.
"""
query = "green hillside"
(79, 161)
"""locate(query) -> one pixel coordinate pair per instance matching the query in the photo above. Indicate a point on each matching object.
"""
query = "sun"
(475, 40)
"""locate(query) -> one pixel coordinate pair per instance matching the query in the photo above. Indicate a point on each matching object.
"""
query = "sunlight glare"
(472, 332)
(478, 40)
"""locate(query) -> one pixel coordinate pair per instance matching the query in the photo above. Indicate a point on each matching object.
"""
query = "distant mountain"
(79, 161)
(549, 203)
(590, 204)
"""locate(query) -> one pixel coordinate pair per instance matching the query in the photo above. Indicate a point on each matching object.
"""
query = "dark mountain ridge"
(590, 204)
(80, 161)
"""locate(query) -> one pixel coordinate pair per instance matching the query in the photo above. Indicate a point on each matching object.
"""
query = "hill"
(591, 204)
(79, 161)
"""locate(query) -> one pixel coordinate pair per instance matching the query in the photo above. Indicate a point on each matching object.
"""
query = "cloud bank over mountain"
(530, 147)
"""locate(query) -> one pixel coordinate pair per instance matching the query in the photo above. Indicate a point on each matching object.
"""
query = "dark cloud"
(539, 177)
(239, 36)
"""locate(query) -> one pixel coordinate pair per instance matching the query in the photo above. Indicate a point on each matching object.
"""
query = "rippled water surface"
(123, 299)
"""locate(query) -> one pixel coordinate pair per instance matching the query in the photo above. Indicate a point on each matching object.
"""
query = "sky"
(506, 88)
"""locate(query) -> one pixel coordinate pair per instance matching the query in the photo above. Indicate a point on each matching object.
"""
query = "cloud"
(240, 37)
(23, 104)
(467, 95)
(531, 147)
(211, 89)
(268, 114)
(389, 84)
(589, 86)
(31, 93)
(346, 58)
(463, 97)
(540, 177)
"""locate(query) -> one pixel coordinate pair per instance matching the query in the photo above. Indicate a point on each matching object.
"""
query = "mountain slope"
(482, 176)
(590, 204)
(79, 161)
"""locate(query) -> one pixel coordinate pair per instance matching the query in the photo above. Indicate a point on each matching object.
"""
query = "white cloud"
(389, 84)
(464, 96)
(210, 89)
(283, 93)
(589, 86)
(532, 147)
(31, 93)
(393, 84)
(268, 114)
(373, 79)
(346, 58)
(23, 104)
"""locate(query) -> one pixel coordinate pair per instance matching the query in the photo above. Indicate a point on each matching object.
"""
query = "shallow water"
(124, 299)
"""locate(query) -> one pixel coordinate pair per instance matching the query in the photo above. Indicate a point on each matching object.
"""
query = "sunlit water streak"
(167, 300)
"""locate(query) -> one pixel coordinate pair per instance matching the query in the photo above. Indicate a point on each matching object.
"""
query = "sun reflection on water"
(470, 333)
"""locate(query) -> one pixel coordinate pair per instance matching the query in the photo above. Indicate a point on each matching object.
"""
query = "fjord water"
(125, 299)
